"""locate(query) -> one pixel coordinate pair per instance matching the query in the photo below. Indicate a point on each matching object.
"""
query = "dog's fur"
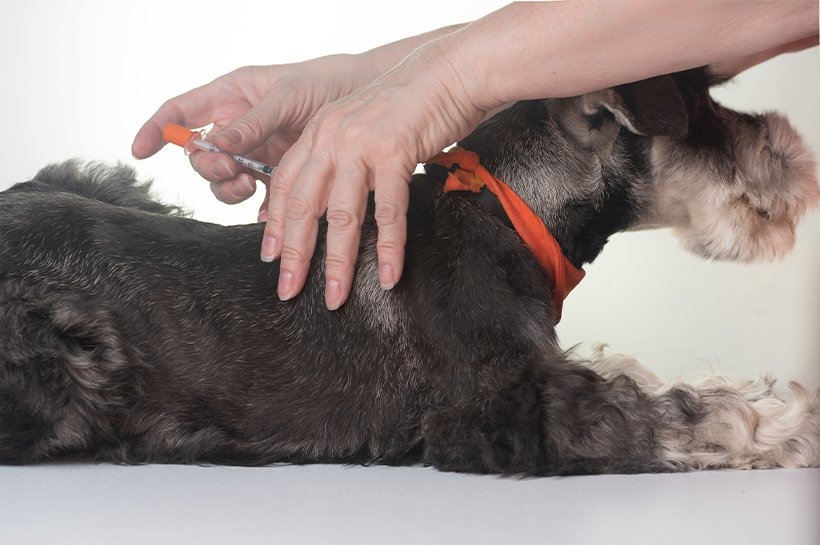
(133, 333)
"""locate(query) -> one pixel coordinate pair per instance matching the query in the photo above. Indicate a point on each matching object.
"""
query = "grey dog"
(134, 334)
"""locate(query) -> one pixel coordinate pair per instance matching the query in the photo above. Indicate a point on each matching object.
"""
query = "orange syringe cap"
(177, 134)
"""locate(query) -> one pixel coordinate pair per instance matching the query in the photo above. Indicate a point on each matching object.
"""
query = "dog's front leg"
(550, 418)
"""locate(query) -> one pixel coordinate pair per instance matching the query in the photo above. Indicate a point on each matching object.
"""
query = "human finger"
(391, 198)
(234, 191)
(305, 204)
(254, 127)
(228, 183)
(214, 167)
(278, 190)
(191, 109)
(262, 215)
(346, 208)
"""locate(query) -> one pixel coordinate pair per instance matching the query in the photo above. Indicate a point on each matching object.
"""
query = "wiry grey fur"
(134, 334)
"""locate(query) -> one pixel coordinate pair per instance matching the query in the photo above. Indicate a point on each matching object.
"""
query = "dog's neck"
(465, 173)
(526, 147)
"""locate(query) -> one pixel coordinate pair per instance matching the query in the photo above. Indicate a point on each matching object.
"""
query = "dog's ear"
(652, 107)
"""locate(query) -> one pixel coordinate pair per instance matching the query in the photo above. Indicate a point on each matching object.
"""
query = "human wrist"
(434, 90)
(461, 69)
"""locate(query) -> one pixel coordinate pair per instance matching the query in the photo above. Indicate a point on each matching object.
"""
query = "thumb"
(249, 131)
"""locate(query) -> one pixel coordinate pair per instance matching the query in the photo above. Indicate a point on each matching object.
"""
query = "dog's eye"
(595, 120)
(764, 214)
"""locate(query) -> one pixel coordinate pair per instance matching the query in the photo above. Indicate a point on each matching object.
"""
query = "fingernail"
(333, 295)
(262, 217)
(230, 136)
(386, 277)
(221, 170)
(268, 248)
(285, 289)
(248, 186)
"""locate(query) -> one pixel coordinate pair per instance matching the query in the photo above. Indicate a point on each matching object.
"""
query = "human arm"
(373, 138)
(267, 107)
(592, 45)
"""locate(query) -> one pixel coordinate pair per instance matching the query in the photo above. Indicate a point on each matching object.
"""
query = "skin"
(341, 126)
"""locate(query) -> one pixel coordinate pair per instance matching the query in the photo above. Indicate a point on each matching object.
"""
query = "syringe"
(190, 140)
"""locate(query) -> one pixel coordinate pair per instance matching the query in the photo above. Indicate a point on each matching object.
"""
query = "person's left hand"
(370, 140)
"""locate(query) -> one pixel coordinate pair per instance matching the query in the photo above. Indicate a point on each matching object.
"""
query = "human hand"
(731, 67)
(370, 140)
(256, 111)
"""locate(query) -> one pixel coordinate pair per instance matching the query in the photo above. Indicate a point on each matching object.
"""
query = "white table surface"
(80, 502)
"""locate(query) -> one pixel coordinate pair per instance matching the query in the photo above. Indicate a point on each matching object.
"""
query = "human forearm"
(542, 49)
(380, 59)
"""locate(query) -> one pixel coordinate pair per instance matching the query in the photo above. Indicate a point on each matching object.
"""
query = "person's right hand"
(256, 111)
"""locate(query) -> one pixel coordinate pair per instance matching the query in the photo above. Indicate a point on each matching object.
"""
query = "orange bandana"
(467, 174)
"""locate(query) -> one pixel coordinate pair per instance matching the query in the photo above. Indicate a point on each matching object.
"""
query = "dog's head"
(655, 153)
(737, 185)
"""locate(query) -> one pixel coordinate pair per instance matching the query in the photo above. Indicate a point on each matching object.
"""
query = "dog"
(134, 334)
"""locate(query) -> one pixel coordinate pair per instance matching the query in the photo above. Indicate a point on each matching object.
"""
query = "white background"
(79, 78)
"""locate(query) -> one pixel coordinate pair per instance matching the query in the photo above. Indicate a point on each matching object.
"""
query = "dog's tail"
(718, 423)
(112, 184)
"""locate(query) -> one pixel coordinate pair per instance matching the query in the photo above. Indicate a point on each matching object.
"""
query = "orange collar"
(467, 174)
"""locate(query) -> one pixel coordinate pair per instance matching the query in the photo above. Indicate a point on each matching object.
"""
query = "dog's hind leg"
(63, 370)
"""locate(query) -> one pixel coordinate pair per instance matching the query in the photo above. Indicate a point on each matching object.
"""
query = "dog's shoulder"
(112, 184)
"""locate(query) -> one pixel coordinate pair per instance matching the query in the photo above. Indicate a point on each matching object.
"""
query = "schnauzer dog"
(134, 334)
